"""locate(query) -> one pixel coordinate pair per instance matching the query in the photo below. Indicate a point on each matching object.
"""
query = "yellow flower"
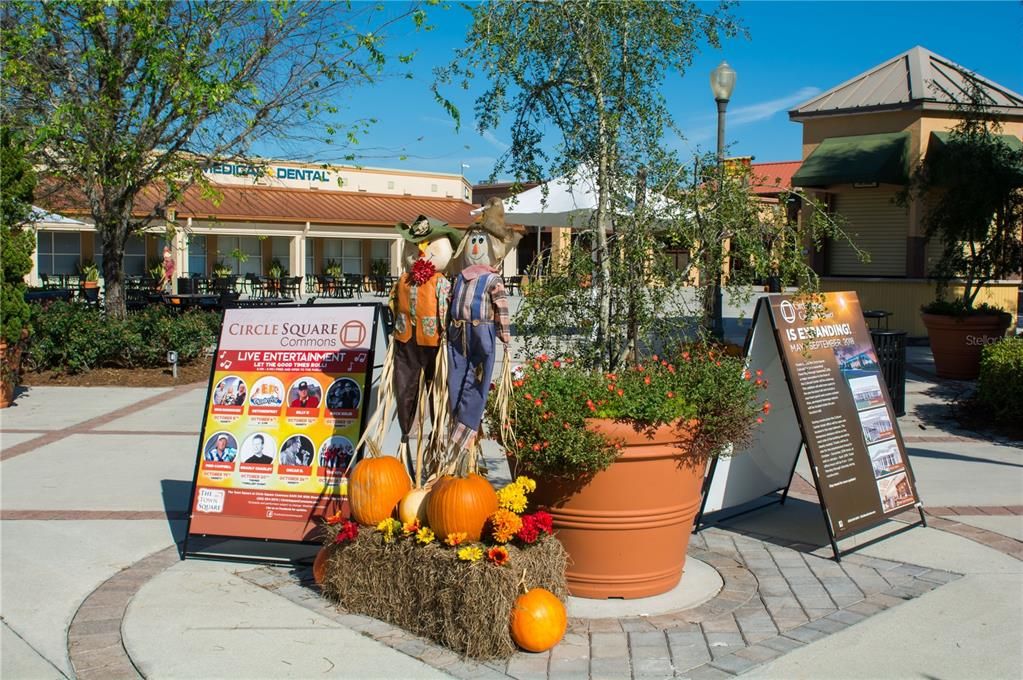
(456, 538)
(425, 535)
(505, 524)
(527, 484)
(511, 498)
(470, 553)
(389, 527)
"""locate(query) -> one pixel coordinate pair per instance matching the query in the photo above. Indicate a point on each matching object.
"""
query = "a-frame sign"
(829, 397)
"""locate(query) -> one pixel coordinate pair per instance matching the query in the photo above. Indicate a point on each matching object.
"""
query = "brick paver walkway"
(776, 598)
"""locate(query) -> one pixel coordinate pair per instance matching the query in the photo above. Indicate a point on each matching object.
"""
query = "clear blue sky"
(795, 50)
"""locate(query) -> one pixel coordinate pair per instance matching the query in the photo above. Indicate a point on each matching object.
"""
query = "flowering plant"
(700, 385)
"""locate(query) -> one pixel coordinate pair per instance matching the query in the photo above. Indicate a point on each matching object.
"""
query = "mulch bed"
(196, 372)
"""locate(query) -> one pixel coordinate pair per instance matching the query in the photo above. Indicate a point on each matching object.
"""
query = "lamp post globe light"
(722, 82)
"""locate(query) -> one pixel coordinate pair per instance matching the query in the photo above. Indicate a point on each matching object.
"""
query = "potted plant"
(620, 457)
(277, 269)
(332, 269)
(89, 273)
(222, 270)
(971, 187)
(155, 268)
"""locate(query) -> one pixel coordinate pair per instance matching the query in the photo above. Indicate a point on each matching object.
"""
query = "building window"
(347, 251)
(248, 247)
(380, 257)
(390, 184)
(310, 257)
(197, 255)
(433, 188)
(58, 252)
(280, 250)
(134, 256)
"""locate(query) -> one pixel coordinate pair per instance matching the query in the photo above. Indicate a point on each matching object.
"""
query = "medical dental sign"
(281, 173)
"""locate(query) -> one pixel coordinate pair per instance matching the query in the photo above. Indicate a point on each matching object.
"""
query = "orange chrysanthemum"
(505, 524)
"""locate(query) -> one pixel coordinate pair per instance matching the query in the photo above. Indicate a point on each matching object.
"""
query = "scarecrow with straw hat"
(479, 317)
(419, 302)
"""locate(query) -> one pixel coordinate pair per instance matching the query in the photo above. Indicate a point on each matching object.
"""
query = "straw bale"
(427, 590)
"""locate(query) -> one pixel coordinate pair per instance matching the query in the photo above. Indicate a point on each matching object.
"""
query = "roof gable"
(917, 78)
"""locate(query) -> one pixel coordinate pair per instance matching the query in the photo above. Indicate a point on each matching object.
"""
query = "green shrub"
(1000, 386)
(73, 338)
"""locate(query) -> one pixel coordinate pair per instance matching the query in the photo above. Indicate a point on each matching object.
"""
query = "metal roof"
(773, 178)
(273, 204)
(915, 79)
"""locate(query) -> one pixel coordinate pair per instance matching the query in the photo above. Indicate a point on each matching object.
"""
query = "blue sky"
(795, 50)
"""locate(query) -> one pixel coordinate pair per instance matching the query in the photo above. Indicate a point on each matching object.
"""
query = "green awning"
(941, 139)
(882, 158)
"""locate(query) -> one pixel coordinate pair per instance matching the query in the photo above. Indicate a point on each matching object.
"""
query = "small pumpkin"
(460, 504)
(375, 487)
(413, 507)
(538, 620)
(320, 565)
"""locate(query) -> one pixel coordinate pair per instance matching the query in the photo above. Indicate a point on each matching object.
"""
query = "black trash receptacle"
(186, 285)
(891, 355)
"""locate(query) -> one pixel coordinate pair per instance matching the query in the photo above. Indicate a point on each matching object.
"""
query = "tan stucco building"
(861, 141)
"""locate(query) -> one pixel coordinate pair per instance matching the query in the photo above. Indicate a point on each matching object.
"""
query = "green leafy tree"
(592, 73)
(972, 192)
(125, 103)
(17, 242)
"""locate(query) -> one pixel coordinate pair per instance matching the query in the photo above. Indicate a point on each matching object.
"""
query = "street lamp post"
(722, 82)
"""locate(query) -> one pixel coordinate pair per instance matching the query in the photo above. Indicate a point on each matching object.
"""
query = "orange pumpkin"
(458, 504)
(375, 487)
(320, 565)
(413, 507)
(538, 620)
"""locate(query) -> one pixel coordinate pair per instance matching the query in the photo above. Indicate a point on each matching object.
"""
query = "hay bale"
(427, 590)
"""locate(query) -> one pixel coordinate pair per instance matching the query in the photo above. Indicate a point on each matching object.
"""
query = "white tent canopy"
(39, 216)
(570, 201)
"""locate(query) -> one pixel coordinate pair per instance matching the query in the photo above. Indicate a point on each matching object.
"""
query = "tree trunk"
(113, 236)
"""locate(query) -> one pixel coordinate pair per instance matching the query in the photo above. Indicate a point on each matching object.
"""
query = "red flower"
(671, 395)
(759, 420)
(422, 270)
(557, 364)
(760, 373)
(498, 555)
(646, 380)
(536, 447)
(767, 407)
(519, 383)
(534, 525)
(349, 530)
(747, 375)
(685, 355)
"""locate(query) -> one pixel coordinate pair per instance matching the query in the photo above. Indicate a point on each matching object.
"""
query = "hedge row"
(73, 338)
(1000, 386)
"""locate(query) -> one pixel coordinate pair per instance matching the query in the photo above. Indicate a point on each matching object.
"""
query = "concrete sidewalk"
(95, 484)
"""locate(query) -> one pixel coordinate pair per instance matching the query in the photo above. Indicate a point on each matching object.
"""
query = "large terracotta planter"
(626, 529)
(956, 341)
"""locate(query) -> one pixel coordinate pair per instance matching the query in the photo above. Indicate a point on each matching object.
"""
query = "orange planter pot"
(626, 529)
(956, 342)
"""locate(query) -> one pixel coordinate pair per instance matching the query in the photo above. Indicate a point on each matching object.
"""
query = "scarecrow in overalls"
(419, 301)
(479, 317)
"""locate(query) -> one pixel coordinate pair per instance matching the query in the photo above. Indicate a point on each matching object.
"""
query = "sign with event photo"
(848, 423)
(284, 410)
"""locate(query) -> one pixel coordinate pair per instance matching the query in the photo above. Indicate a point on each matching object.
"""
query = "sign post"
(285, 406)
(838, 400)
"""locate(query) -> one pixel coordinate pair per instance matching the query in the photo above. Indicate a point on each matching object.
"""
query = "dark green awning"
(882, 158)
(940, 139)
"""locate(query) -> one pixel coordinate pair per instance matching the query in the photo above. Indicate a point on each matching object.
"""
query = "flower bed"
(437, 591)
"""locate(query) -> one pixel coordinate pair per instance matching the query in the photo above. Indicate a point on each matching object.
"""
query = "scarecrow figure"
(419, 301)
(479, 316)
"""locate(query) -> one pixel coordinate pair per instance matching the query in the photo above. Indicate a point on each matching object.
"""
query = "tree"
(131, 100)
(593, 72)
(17, 184)
(972, 191)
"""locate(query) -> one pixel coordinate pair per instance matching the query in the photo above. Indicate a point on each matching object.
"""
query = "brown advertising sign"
(853, 440)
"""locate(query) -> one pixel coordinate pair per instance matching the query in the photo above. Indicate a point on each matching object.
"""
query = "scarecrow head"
(428, 239)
